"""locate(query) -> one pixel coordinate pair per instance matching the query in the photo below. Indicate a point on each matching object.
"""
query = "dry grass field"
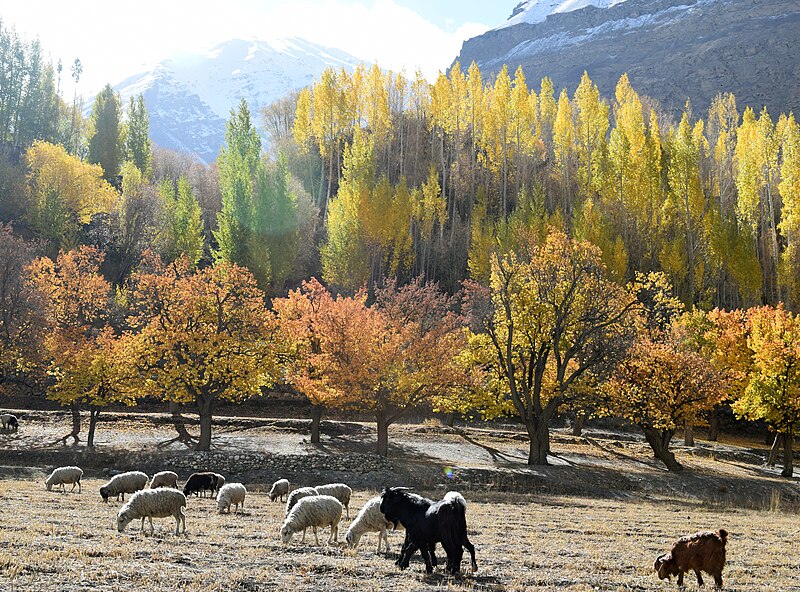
(594, 520)
(51, 541)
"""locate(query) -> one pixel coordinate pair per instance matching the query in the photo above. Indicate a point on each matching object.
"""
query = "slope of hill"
(190, 97)
(671, 49)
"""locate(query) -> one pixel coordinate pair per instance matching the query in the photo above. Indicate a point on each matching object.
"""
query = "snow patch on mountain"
(536, 11)
(189, 97)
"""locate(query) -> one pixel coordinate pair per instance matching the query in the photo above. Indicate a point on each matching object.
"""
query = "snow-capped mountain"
(189, 97)
(671, 49)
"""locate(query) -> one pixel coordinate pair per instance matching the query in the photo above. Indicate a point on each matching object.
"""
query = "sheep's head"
(123, 519)
(273, 496)
(104, 493)
(286, 534)
(665, 566)
(352, 538)
(49, 484)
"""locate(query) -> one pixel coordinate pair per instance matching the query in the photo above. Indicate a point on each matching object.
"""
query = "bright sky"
(116, 39)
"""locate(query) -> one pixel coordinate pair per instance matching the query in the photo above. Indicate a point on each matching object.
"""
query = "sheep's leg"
(426, 555)
(141, 527)
(79, 487)
(406, 552)
(432, 551)
(718, 579)
(316, 538)
(335, 532)
(471, 548)
(152, 529)
(303, 540)
(680, 579)
(699, 577)
(73, 487)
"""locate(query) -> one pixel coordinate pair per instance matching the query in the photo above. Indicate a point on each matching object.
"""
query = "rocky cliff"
(671, 49)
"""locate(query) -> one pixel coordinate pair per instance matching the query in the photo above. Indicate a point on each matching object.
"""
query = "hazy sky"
(116, 39)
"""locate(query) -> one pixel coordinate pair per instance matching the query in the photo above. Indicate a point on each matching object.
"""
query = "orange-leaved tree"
(79, 346)
(551, 320)
(661, 386)
(202, 337)
(773, 384)
(386, 358)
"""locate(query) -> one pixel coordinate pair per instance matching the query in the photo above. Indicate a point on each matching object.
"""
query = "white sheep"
(316, 511)
(63, 475)
(370, 519)
(164, 479)
(296, 495)
(123, 483)
(154, 503)
(9, 421)
(279, 489)
(231, 493)
(340, 491)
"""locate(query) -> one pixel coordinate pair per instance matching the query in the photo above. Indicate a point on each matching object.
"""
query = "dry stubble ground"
(595, 540)
(50, 541)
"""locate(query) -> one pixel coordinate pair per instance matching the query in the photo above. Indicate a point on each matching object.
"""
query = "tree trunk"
(316, 420)
(659, 442)
(179, 423)
(788, 454)
(383, 433)
(94, 416)
(580, 421)
(450, 419)
(205, 409)
(773, 451)
(75, 411)
(713, 424)
(688, 435)
(539, 434)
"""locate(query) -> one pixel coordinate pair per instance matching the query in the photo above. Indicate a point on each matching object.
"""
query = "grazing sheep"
(123, 483)
(369, 519)
(164, 479)
(231, 493)
(198, 483)
(220, 483)
(338, 490)
(296, 495)
(63, 475)
(279, 489)
(154, 503)
(10, 422)
(701, 551)
(428, 523)
(316, 511)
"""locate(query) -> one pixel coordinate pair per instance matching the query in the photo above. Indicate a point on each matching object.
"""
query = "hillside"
(189, 97)
(671, 49)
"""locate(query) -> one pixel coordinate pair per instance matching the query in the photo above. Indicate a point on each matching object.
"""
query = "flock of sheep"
(426, 522)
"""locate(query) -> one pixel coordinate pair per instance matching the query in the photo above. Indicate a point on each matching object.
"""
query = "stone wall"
(238, 463)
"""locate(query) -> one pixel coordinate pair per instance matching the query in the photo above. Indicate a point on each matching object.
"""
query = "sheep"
(63, 475)
(154, 503)
(10, 422)
(123, 483)
(701, 551)
(338, 490)
(428, 523)
(231, 493)
(296, 495)
(220, 483)
(369, 519)
(279, 489)
(164, 479)
(200, 483)
(314, 511)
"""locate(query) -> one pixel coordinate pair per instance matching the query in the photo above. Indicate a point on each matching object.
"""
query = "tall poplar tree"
(137, 140)
(105, 146)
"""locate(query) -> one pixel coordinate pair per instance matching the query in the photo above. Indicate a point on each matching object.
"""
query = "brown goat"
(701, 551)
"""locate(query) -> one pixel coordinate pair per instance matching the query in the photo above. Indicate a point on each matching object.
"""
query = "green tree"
(238, 163)
(137, 138)
(181, 226)
(106, 146)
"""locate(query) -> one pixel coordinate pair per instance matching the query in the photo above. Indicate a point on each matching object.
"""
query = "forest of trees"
(481, 247)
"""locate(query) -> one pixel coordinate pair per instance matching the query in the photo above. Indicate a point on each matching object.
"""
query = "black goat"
(200, 482)
(427, 523)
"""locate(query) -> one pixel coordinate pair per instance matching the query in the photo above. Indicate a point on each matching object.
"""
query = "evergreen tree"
(106, 146)
(238, 162)
(137, 140)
